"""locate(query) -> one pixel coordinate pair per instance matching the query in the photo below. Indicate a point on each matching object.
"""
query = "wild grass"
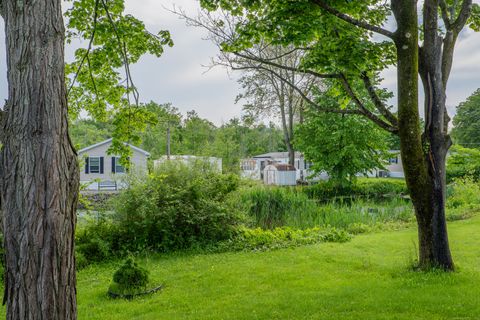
(271, 207)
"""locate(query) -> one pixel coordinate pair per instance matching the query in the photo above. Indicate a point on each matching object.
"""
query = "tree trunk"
(39, 169)
(423, 161)
(286, 134)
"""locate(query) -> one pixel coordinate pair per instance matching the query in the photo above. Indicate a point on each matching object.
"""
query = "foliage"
(176, 207)
(466, 131)
(154, 139)
(94, 238)
(129, 278)
(342, 145)
(463, 162)
(274, 207)
(86, 132)
(115, 41)
(463, 199)
(375, 188)
(270, 207)
(285, 237)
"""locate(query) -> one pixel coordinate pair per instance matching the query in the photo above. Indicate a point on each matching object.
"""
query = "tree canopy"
(466, 131)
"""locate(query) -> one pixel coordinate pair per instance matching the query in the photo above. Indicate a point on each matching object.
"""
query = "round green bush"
(130, 277)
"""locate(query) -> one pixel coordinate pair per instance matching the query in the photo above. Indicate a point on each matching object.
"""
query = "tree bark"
(423, 161)
(39, 169)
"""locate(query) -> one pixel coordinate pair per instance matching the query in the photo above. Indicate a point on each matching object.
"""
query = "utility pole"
(168, 140)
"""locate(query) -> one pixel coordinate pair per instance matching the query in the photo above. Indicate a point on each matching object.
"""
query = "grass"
(271, 207)
(367, 278)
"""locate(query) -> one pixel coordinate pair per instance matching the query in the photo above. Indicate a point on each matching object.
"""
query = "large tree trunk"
(39, 170)
(423, 161)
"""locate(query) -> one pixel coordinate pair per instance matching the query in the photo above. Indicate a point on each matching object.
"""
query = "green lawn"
(367, 278)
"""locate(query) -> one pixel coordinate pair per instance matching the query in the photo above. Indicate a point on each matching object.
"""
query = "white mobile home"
(103, 171)
(215, 163)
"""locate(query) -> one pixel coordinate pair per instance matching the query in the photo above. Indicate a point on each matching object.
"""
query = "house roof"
(282, 167)
(110, 140)
(276, 155)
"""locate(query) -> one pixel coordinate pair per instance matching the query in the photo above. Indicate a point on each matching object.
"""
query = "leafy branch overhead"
(342, 52)
(99, 80)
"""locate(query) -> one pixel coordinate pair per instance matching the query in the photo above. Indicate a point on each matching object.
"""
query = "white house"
(253, 168)
(215, 163)
(103, 171)
(394, 167)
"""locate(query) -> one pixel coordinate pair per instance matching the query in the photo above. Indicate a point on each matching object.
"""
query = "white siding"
(138, 162)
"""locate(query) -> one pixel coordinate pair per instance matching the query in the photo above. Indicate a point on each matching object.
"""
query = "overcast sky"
(180, 78)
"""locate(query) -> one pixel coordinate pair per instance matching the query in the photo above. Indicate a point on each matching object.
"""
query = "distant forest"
(190, 135)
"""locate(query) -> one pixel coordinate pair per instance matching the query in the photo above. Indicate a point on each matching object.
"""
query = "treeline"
(190, 135)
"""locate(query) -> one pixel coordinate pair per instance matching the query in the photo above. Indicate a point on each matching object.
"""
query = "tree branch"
(463, 16)
(377, 101)
(123, 49)
(90, 44)
(277, 65)
(353, 21)
(382, 124)
(445, 15)
(451, 38)
(300, 92)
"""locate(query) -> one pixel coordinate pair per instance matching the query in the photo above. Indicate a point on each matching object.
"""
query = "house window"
(118, 167)
(94, 164)
(393, 160)
(248, 165)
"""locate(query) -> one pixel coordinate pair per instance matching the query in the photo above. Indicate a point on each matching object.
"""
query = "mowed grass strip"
(367, 278)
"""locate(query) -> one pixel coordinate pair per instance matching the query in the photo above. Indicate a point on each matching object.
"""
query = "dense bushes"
(176, 207)
(463, 199)
(462, 163)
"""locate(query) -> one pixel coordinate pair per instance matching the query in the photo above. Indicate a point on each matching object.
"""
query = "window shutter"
(86, 165)
(128, 167)
(101, 165)
(113, 164)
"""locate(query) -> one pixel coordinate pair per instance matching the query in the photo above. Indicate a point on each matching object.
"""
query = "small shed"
(280, 174)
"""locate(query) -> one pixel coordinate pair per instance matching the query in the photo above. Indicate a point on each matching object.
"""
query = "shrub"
(80, 260)
(94, 240)
(463, 199)
(462, 163)
(176, 207)
(129, 279)
(259, 239)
